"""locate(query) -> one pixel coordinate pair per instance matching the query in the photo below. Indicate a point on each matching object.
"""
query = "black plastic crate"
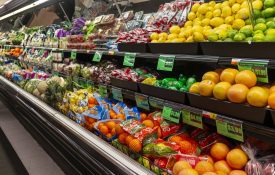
(175, 48)
(133, 47)
(130, 85)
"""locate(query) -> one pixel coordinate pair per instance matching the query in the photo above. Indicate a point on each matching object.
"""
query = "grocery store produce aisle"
(26, 150)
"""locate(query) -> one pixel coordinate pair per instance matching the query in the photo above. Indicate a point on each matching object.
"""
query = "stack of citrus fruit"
(107, 128)
(235, 86)
(222, 161)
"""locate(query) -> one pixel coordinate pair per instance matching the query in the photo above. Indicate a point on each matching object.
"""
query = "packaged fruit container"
(175, 48)
(106, 129)
(124, 149)
(133, 47)
(240, 111)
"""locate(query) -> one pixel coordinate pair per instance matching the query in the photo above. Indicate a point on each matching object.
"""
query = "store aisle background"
(33, 157)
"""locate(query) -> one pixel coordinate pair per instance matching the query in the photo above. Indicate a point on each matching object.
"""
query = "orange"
(143, 116)
(247, 78)
(92, 100)
(120, 116)
(236, 158)
(206, 88)
(237, 93)
(100, 125)
(113, 132)
(104, 130)
(213, 76)
(257, 96)
(112, 115)
(228, 75)
(180, 165)
(185, 146)
(135, 145)
(118, 129)
(175, 139)
(220, 173)
(188, 171)
(222, 166)
(122, 138)
(203, 167)
(128, 139)
(220, 90)
(109, 135)
(209, 173)
(110, 124)
(209, 158)
(272, 89)
(90, 105)
(219, 151)
(148, 123)
(237, 172)
(271, 100)
(195, 88)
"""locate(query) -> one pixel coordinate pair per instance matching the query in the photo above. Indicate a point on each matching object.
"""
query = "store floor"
(28, 152)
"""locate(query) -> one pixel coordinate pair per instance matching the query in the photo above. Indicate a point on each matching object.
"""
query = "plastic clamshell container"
(166, 94)
(175, 48)
(239, 111)
(97, 132)
(133, 86)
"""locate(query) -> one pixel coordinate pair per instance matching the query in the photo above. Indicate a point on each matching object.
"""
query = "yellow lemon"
(244, 13)
(235, 8)
(218, 6)
(226, 11)
(240, 1)
(172, 36)
(174, 29)
(191, 16)
(181, 35)
(195, 7)
(177, 40)
(217, 12)
(205, 22)
(197, 29)
(154, 36)
(210, 8)
(222, 34)
(198, 37)
(257, 5)
(229, 20)
(188, 23)
(212, 3)
(203, 8)
(238, 24)
(216, 21)
(190, 39)
(163, 36)
(225, 3)
(209, 15)
(154, 41)
(244, 4)
(231, 2)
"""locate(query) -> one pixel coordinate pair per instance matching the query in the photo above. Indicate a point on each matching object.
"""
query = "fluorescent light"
(35, 4)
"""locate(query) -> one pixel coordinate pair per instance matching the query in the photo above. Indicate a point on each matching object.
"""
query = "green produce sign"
(142, 101)
(171, 113)
(192, 118)
(103, 91)
(97, 56)
(117, 94)
(259, 67)
(230, 128)
(73, 55)
(129, 59)
(166, 62)
(156, 102)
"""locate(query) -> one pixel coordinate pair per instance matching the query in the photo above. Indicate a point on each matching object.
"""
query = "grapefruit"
(222, 166)
(213, 76)
(237, 93)
(229, 75)
(194, 88)
(203, 167)
(236, 159)
(220, 90)
(219, 151)
(257, 96)
(247, 78)
(135, 145)
(180, 165)
(272, 89)
(237, 172)
(271, 100)
(188, 172)
(206, 88)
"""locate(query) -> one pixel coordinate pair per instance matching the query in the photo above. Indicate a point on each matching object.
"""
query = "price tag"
(193, 118)
(171, 112)
(230, 128)
(117, 94)
(259, 67)
(103, 91)
(129, 59)
(166, 62)
(73, 55)
(97, 56)
(156, 102)
(142, 101)
(209, 115)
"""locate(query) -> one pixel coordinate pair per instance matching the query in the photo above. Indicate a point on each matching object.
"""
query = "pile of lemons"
(211, 21)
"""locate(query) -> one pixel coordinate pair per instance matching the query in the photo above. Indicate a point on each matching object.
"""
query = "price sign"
(97, 56)
(209, 115)
(129, 59)
(156, 102)
(171, 112)
(193, 118)
(142, 101)
(117, 94)
(166, 62)
(259, 67)
(73, 55)
(230, 127)
(103, 91)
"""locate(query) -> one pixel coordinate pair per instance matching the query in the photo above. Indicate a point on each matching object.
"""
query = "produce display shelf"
(120, 161)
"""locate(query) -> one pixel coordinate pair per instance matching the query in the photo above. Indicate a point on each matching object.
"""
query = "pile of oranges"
(237, 87)
(107, 128)
(114, 115)
(221, 161)
(90, 122)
